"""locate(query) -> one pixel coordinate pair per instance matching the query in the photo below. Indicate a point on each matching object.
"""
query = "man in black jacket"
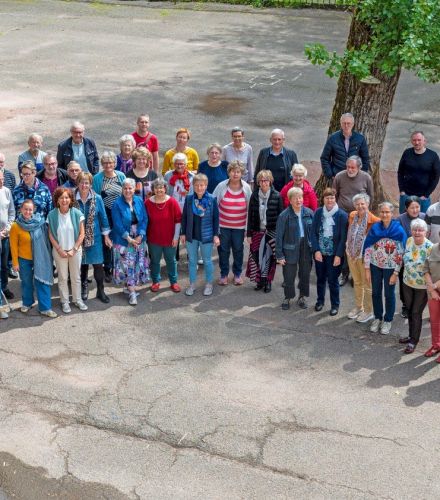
(276, 158)
(80, 149)
(341, 145)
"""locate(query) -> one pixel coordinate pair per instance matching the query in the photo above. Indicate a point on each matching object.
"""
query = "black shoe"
(8, 294)
(101, 295)
(302, 303)
(84, 290)
(404, 312)
(107, 276)
(343, 278)
(318, 307)
(334, 311)
(285, 305)
(267, 287)
(259, 286)
(404, 340)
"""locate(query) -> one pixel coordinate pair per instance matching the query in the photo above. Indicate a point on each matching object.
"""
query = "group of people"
(121, 214)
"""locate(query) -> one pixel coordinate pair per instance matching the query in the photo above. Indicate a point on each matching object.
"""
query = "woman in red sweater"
(164, 217)
(299, 174)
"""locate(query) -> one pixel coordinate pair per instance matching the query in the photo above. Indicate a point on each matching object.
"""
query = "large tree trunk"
(369, 103)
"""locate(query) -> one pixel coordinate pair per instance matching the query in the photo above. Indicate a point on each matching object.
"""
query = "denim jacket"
(121, 216)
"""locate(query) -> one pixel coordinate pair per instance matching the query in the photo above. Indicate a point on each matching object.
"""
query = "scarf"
(42, 259)
(356, 234)
(262, 206)
(89, 237)
(378, 231)
(183, 177)
(199, 206)
(328, 222)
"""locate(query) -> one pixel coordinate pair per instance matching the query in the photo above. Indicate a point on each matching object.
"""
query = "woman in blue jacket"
(129, 240)
(96, 226)
(329, 235)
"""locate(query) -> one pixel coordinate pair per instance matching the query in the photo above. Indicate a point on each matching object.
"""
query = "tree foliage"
(402, 34)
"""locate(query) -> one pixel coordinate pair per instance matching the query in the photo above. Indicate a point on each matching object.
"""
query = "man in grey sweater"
(348, 183)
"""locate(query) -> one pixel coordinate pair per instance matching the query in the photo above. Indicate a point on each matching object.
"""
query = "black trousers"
(108, 255)
(302, 268)
(415, 300)
(98, 273)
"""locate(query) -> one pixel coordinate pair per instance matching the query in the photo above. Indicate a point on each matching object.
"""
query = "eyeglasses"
(27, 174)
(264, 180)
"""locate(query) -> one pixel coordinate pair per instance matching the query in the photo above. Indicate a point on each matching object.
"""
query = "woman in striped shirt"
(233, 197)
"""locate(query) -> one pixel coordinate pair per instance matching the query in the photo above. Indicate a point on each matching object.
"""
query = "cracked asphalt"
(218, 397)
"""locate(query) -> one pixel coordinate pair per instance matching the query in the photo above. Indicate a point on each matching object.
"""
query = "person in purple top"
(124, 161)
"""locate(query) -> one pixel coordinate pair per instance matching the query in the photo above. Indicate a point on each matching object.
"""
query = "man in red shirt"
(144, 137)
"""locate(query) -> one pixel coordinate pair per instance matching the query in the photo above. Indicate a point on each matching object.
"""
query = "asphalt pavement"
(201, 397)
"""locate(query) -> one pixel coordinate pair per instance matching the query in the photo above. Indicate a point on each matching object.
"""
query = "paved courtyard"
(219, 397)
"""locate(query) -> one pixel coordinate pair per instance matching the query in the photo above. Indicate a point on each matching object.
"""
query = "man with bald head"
(80, 149)
(276, 158)
(9, 178)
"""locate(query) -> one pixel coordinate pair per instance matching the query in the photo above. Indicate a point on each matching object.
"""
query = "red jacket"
(310, 199)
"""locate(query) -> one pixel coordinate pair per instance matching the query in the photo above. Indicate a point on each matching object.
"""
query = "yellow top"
(191, 154)
(21, 244)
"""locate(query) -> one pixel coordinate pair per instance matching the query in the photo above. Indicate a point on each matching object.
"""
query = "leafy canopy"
(400, 33)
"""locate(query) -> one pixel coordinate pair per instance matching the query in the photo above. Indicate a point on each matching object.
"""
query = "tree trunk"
(370, 105)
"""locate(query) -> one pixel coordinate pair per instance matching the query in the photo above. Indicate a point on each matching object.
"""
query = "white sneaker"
(132, 300)
(385, 328)
(190, 290)
(200, 262)
(49, 313)
(4, 315)
(364, 317)
(374, 328)
(208, 290)
(25, 309)
(66, 308)
(354, 313)
(81, 306)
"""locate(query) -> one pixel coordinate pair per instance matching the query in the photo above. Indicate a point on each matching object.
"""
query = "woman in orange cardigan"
(359, 223)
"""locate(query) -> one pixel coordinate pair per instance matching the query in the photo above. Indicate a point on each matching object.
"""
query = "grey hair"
(181, 157)
(77, 124)
(420, 223)
(130, 181)
(277, 131)
(215, 145)
(127, 138)
(361, 196)
(355, 158)
(347, 115)
(49, 155)
(298, 167)
(159, 182)
(108, 155)
(294, 191)
(35, 136)
(237, 129)
(386, 204)
(237, 165)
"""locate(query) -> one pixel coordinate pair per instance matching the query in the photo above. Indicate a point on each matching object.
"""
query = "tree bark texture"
(371, 106)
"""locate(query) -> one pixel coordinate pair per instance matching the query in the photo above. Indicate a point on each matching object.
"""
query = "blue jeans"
(27, 287)
(169, 254)
(424, 204)
(380, 278)
(192, 249)
(326, 272)
(231, 238)
(4, 264)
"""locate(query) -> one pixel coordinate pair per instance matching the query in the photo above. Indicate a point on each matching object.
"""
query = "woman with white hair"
(124, 161)
(128, 235)
(383, 255)
(294, 248)
(359, 224)
(417, 250)
(299, 174)
(179, 180)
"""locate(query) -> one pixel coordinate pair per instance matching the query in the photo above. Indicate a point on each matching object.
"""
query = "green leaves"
(386, 35)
